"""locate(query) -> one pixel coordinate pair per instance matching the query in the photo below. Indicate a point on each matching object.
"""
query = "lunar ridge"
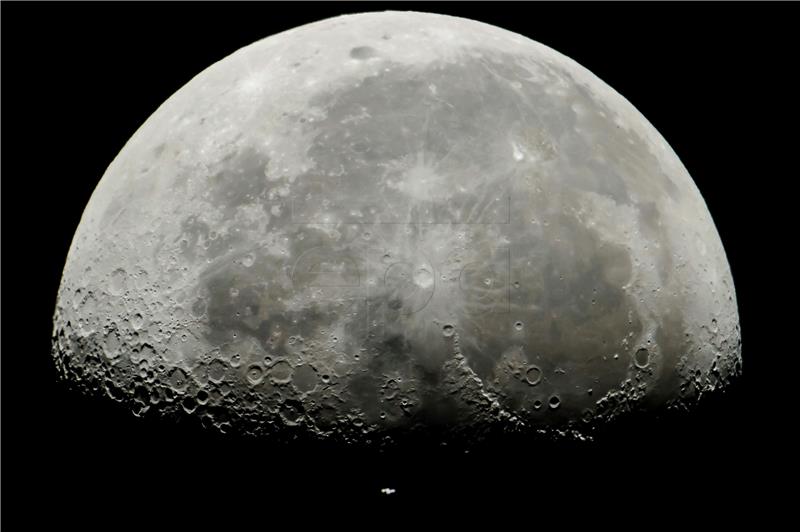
(397, 223)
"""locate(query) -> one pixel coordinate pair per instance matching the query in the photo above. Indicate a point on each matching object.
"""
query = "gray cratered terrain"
(390, 224)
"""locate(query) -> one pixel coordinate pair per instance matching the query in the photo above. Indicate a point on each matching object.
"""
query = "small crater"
(198, 307)
(189, 404)
(533, 376)
(280, 372)
(137, 321)
(448, 330)
(216, 371)
(554, 402)
(391, 388)
(202, 397)
(255, 374)
(305, 378)
(641, 358)
(178, 379)
(118, 282)
(363, 52)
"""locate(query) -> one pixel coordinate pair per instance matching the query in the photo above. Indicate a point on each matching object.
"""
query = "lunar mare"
(397, 223)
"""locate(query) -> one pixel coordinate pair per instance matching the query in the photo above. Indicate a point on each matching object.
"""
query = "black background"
(78, 79)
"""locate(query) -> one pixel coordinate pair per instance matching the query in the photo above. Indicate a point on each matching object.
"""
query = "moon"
(397, 224)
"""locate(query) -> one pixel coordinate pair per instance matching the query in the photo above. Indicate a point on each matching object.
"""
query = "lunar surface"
(394, 224)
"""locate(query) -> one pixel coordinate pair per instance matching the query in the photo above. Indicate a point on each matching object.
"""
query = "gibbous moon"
(395, 224)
